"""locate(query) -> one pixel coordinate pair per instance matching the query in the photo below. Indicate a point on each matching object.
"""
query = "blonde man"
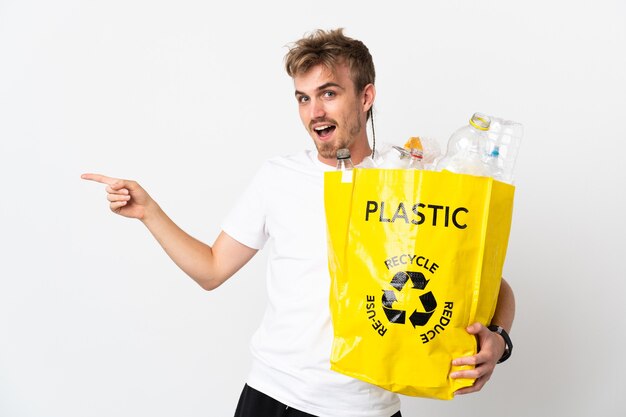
(333, 79)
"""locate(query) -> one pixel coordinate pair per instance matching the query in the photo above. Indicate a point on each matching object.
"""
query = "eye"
(302, 99)
(329, 94)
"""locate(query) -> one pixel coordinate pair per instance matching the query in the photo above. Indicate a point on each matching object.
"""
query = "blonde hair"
(331, 48)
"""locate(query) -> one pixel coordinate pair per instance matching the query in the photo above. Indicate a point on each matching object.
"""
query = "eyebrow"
(322, 87)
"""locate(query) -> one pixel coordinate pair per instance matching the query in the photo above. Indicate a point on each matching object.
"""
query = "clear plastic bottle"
(344, 163)
(415, 160)
(467, 148)
(504, 140)
(394, 158)
(494, 161)
(431, 152)
(415, 154)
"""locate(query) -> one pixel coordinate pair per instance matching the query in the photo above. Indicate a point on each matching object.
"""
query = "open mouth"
(324, 131)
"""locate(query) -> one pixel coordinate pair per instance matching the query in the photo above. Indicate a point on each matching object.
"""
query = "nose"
(317, 109)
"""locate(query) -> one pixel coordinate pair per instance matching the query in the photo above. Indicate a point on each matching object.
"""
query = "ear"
(369, 94)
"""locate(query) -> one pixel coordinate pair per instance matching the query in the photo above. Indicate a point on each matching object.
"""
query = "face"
(331, 110)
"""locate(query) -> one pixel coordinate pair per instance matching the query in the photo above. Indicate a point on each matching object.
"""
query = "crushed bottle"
(504, 140)
(467, 148)
(487, 147)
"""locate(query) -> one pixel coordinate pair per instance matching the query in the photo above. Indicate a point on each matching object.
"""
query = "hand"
(126, 198)
(490, 349)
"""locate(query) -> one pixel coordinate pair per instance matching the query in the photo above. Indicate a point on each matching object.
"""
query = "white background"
(189, 99)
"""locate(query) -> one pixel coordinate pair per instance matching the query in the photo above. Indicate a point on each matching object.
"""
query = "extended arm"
(491, 345)
(208, 266)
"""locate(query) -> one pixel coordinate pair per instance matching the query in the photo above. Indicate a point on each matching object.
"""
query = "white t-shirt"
(284, 206)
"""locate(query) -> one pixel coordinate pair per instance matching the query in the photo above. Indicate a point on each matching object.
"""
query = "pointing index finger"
(103, 179)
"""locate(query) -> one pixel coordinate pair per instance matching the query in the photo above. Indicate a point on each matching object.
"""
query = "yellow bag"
(414, 258)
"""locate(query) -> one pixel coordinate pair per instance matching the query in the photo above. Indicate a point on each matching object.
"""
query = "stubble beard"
(328, 150)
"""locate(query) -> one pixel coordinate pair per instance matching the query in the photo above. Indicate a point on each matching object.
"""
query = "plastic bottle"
(467, 148)
(504, 140)
(407, 158)
(416, 153)
(431, 152)
(393, 158)
(494, 162)
(415, 161)
(344, 163)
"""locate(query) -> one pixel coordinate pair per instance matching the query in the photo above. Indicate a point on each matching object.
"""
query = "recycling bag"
(414, 258)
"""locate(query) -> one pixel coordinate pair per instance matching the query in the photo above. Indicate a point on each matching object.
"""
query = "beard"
(328, 150)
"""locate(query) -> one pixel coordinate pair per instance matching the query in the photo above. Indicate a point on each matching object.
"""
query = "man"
(334, 87)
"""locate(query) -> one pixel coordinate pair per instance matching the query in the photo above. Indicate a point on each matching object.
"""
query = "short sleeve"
(246, 221)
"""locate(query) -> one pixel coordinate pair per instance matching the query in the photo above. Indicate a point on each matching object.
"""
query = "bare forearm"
(208, 265)
(505, 309)
(192, 256)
